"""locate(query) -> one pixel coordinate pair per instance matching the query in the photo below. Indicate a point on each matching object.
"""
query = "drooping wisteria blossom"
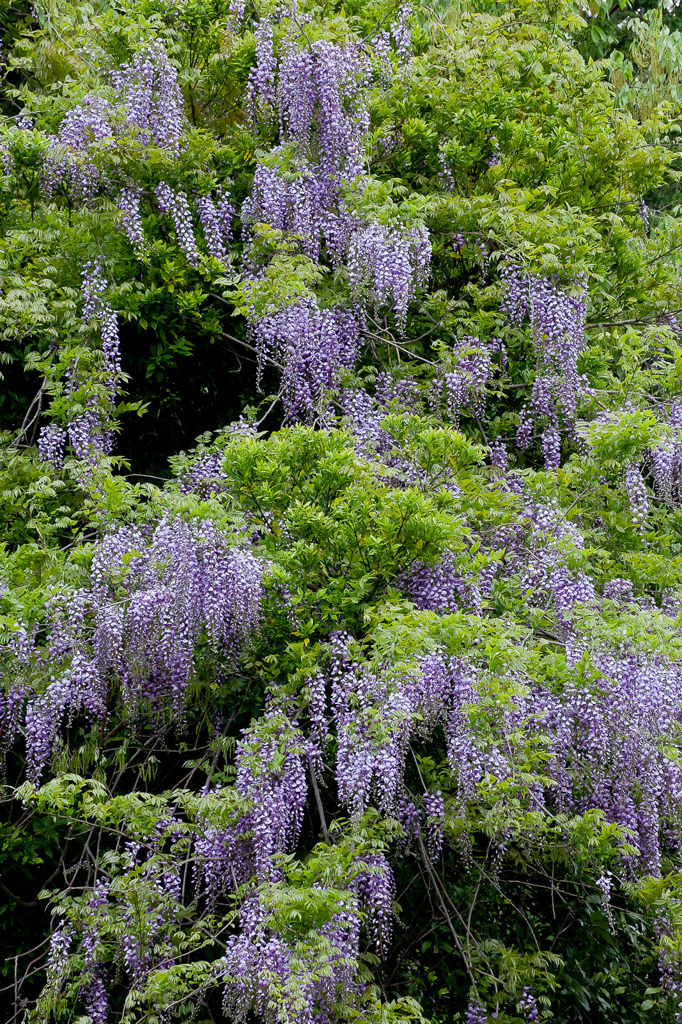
(131, 221)
(441, 587)
(51, 443)
(637, 495)
(260, 90)
(323, 121)
(375, 888)
(389, 264)
(144, 102)
(313, 345)
(295, 205)
(175, 205)
(136, 629)
(556, 315)
(205, 476)
(463, 388)
(321, 107)
(148, 87)
(216, 222)
(263, 967)
(322, 113)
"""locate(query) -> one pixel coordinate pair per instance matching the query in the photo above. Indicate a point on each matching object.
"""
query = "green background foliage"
(583, 107)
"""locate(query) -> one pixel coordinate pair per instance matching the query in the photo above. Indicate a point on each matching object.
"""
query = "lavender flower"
(557, 321)
(314, 346)
(464, 387)
(390, 264)
(528, 1007)
(129, 205)
(475, 1013)
(499, 457)
(260, 90)
(51, 441)
(375, 888)
(434, 807)
(148, 87)
(216, 221)
(175, 205)
(637, 496)
(150, 601)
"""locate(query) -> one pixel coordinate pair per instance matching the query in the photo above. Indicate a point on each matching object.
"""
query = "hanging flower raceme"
(68, 169)
(135, 629)
(148, 87)
(557, 329)
(270, 974)
(463, 388)
(295, 205)
(89, 430)
(666, 459)
(144, 102)
(313, 345)
(442, 587)
(131, 220)
(323, 116)
(216, 222)
(176, 206)
(389, 263)
(260, 89)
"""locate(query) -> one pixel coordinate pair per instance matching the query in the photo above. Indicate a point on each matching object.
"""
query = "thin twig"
(318, 801)
(434, 881)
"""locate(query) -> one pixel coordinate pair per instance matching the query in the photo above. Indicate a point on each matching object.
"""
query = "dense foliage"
(340, 512)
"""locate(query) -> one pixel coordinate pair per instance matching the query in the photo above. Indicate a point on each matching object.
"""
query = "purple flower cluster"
(68, 169)
(60, 944)
(266, 969)
(373, 716)
(136, 628)
(216, 222)
(464, 387)
(476, 1013)
(544, 553)
(205, 477)
(131, 220)
(149, 89)
(557, 326)
(313, 345)
(400, 33)
(317, 95)
(321, 114)
(77, 690)
(499, 457)
(260, 89)
(146, 103)
(528, 1008)
(442, 587)
(666, 460)
(321, 108)
(377, 713)
(89, 429)
(434, 807)
(51, 442)
(637, 495)
(176, 206)
(297, 205)
(233, 844)
(389, 264)
(96, 307)
(11, 707)
(375, 889)
(277, 794)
